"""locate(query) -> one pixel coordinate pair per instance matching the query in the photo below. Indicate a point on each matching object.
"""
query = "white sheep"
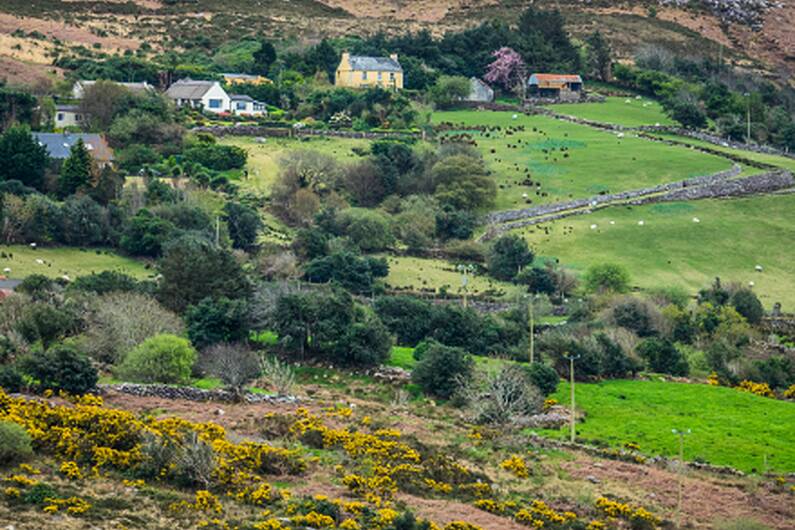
(758, 268)
(40, 261)
(641, 223)
(696, 220)
(593, 227)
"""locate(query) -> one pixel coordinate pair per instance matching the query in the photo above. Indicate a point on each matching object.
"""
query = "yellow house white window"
(364, 76)
(379, 76)
(391, 76)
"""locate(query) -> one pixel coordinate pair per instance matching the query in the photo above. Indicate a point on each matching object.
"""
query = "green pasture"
(729, 240)
(263, 157)
(70, 261)
(565, 160)
(728, 427)
(627, 111)
(432, 276)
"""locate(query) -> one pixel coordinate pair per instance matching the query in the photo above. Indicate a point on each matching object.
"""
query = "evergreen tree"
(264, 58)
(599, 60)
(23, 159)
(76, 171)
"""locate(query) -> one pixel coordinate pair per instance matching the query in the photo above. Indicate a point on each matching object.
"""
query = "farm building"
(479, 91)
(247, 106)
(59, 145)
(68, 116)
(204, 95)
(357, 71)
(80, 87)
(566, 87)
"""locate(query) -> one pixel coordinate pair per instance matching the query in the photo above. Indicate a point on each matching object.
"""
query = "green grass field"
(263, 158)
(417, 274)
(728, 427)
(628, 111)
(594, 161)
(60, 261)
(730, 239)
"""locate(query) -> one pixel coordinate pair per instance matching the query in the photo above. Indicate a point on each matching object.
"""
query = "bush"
(607, 277)
(544, 377)
(748, 305)
(663, 356)
(106, 282)
(62, 367)
(216, 157)
(217, 320)
(504, 397)
(15, 443)
(441, 369)
(409, 318)
(355, 273)
(11, 379)
(235, 365)
(160, 359)
(635, 315)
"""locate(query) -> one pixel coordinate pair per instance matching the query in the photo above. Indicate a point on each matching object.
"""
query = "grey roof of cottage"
(60, 144)
(67, 108)
(377, 64)
(241, 76)
(189, 89)
(241, 97)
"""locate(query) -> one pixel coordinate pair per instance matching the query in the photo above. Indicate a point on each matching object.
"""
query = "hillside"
(51, 27)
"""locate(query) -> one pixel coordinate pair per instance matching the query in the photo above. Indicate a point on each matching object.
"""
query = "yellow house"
(356, 71)
(245, 79)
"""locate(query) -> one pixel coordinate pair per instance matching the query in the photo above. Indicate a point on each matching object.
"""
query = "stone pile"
(193, 394)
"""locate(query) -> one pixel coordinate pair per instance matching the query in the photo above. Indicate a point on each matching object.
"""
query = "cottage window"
(379, 75)
(241, 105)
(364, 76)
(215, 103)
(60, 116)
(391, 76)
(78, 117)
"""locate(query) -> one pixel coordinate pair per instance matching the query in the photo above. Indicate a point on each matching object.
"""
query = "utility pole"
(748, 117)
(681, 435)
(465, 270)
(571, 359)
(532, 330)
(217, 230)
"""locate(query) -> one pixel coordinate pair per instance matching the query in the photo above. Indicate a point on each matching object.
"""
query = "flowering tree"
(508, 70)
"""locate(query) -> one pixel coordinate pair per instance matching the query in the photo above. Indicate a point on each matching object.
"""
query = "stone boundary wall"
(547, 209)
(278, 132)
(585, 98)
(193, 394)
(720, 188)
(716, 140)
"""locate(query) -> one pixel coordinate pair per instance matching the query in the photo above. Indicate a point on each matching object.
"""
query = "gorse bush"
(159, 359)
(15, 443)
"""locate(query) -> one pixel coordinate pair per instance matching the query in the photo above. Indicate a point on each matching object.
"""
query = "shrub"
(409, 318)
(11, 379)
(106, 282)
(160, 359)
(748, 305)
(235, 365)
(544, 377)
(43, 322)
(217, 320)
(502, 397)
(121, 321)
(62, 367)
(15, 443)
(607, 277)
(635, 315)
(441, 369)
(663, 356)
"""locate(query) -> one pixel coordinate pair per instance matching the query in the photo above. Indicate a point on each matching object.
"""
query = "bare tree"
(121, 321)
(503, 397)
(235, 365)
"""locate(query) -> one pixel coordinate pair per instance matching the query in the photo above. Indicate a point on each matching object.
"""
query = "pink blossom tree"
(508, 70)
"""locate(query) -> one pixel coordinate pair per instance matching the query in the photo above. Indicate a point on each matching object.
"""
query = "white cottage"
(68, 116)
(243, 105)
(79, 88)
(204, 95)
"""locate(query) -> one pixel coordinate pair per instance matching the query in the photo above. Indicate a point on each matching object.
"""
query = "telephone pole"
(681, 435)
(572, 421)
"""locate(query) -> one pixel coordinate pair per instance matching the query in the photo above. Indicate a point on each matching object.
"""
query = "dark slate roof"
(241, 97)
(377, 64)
(67, 108)
(59, 144)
